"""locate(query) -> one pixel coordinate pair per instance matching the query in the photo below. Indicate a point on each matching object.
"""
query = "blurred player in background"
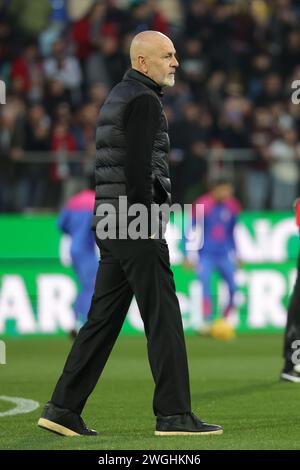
(291, 351)
(218, 253)
(75, 220)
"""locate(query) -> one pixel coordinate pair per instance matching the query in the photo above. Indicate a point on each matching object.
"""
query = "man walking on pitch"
(132, 162)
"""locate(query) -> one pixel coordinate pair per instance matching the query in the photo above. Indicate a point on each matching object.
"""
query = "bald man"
(132, 163)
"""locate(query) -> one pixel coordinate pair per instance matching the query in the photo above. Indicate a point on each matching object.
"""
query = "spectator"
(64, 68)
(238, 62)
(33, 176)
(285, 154)
(63, 145)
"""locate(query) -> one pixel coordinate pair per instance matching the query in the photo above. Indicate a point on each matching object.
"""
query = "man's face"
(162, 63)
(223, 191)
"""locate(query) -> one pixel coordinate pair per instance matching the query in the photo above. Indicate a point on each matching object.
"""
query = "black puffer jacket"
(111, 145)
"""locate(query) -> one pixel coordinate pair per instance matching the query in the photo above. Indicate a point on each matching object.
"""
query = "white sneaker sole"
(290, 378)
(186, 433)
(58, 428)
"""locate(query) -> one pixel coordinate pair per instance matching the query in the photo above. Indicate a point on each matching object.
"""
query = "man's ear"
(142, 63)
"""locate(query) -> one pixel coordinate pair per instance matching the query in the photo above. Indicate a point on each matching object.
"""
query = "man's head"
(221, 189)
(153, 54)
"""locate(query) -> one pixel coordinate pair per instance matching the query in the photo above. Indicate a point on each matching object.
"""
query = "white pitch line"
(23, 405)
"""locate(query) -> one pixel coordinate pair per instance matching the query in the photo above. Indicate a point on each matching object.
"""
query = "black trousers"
(292, 330)
(127, 267)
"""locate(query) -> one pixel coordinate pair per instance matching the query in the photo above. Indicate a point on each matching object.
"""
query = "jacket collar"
(133, 74)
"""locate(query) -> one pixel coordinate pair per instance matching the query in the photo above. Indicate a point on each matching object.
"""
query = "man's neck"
(137, 75)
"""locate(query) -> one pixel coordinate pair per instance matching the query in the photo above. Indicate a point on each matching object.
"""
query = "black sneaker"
(64, 422)
(186, 424)
(291, 375)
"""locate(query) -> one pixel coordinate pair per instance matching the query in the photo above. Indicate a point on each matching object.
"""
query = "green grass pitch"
(233, 384)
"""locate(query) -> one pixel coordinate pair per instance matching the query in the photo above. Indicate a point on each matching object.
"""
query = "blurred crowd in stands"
(230, 111)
